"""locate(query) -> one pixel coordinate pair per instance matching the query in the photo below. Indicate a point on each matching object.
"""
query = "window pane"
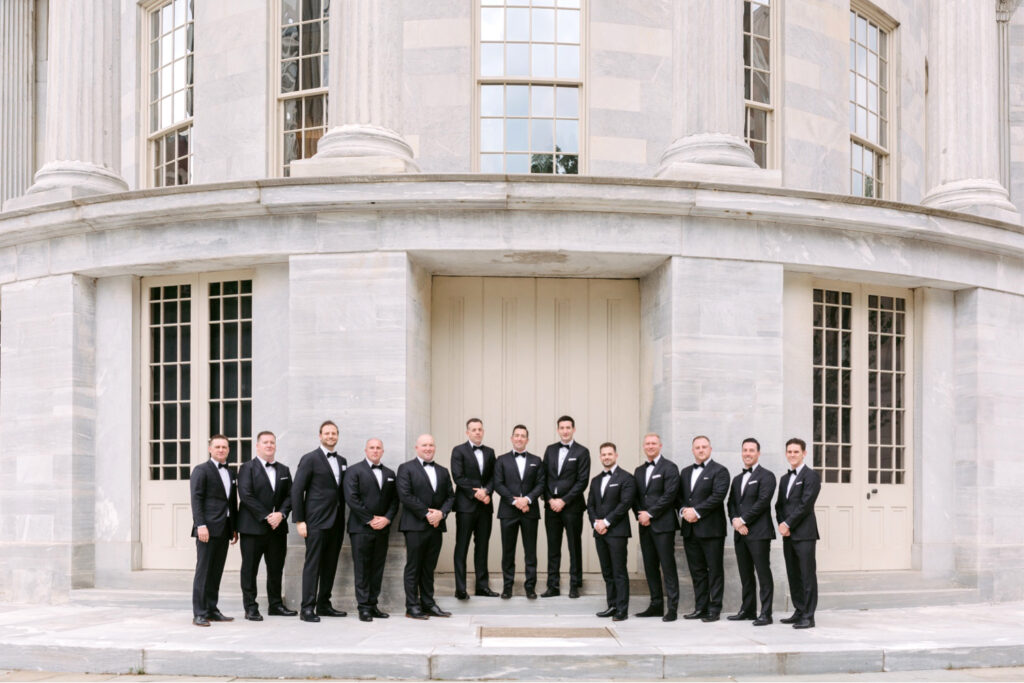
(517, 24)
(543, 61)
(568, 101)
(542, 101)
(491, 135)
(516, 135)
(518, 60)
(517, 163)
(543, 25)
(542, 134)
(568, 61)
(492, 100)
(518, 100)
(492, 60)
(568, 26)
(492, 24)
(491, 163)
(567, 136)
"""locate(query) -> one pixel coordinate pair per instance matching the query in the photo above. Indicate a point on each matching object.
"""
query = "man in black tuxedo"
(749, 506)
(473, 471)
(318, 510)
(794, 510)
(214, 512)
(372, 498)
(519, 480)
(427, 496)
(608, 504)
(702, 490)
(264, 496)
(657, 487)
(566, 471)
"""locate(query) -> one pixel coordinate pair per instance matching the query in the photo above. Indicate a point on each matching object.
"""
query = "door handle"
(872, 491)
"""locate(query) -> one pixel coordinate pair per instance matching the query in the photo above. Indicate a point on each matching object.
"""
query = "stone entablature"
(434, 216)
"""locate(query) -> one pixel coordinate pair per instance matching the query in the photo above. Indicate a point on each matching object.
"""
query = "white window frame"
(579, 83)
(772, 109)
(148, 155)
(890, 167)
(276, 107)
(199, 350)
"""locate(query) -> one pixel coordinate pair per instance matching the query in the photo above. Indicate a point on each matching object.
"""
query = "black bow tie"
(748, 470)
(649, 463)
(381, 467)
(520, 455)
(606, 473)
(332, 455)
(428, 464)
(698, 466)
(477, 448)
(271, 464)
(221, 466)
(793, 472)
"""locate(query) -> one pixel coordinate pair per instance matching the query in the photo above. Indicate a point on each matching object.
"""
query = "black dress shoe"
(574, 592)
(416, 613)
(281, 611)
(217, 616)
(377, 614)
(254, 616)
(762, 621)
(310, 616)
(486, 593)
(695, 614)
(610, 612)
(550, 593)
(620, 616)
(652, 611)
(506, 595)
(531, 595)
(200, 621)
(669, 615)
(804, 623)
(329, 611)
(435, 611)
(365, 616)
(462, 595)
(791, 620)
(711, 616)
(740, 616)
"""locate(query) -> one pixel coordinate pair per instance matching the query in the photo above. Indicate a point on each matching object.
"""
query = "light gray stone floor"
(109, 632)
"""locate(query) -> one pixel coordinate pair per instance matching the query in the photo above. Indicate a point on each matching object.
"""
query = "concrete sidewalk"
(555, 639)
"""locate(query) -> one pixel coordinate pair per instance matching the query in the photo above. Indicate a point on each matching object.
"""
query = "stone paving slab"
(109, 634)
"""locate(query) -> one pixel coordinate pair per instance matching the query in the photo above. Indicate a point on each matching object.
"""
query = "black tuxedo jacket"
(211, 507)
(317, 499)
(797, 509)
(614, 505)
(417, 496)
(467, 476)
(365, 499)
(707, 498)
(659, 497)
(509, 485)
(754, 504)
(572, 482)
(256, 499)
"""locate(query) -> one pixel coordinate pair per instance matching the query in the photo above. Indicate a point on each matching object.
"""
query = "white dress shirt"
(271, 473)
(377, 474)
(478, 451)
(431, 473)
(335, 465)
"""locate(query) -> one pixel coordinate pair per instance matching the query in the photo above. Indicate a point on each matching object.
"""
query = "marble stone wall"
(47, 427)
(989, 472)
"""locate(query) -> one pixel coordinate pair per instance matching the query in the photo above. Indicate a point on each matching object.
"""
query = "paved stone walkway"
(109, 632)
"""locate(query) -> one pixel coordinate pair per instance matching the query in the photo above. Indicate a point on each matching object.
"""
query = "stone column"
(17, 110)
(47, 427)
(82, 144)
(963, 117)
(707, 94)
(359, 354)
(365, 101)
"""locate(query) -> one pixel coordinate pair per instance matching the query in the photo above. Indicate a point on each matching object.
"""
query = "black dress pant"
(474, 525)
(323, 548)
(659, 553)
(210, 558)
(369, 553)
(422, 548)
(753, 556)
(802, 572)
(571, 522)
(271, 546)
(611, 552)
(704, 557)
(510, 529)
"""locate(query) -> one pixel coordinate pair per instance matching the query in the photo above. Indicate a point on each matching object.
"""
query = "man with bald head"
(372, 498)
(426, 493)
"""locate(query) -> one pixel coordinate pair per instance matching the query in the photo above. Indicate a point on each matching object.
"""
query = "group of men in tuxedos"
(255, 505)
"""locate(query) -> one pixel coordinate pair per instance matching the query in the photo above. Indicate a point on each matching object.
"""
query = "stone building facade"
(732, 218)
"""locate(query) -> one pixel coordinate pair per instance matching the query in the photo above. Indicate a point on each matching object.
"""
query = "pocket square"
(751, 483)
(391, 478)
(282, 478)
(533, 464)
(572, 459)
(798, 483)
(344, 467)
(612, 485)
(655, 476)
